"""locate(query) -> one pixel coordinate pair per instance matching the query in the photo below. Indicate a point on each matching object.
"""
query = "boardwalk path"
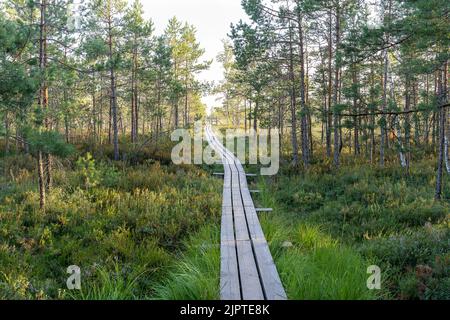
(247, 270)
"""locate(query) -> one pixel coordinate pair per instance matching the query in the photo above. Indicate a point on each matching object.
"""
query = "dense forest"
(357, 89)
(356, 76)
(91, 68)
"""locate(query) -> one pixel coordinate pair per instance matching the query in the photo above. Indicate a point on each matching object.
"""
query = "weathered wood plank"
(273, 289)
(229, 272)
(240, 224)
(256, 232)
(243, 182)
(236, 195)
(227, 181)
(226, 200)
(250, 283)
(246, 197)
(227, 228)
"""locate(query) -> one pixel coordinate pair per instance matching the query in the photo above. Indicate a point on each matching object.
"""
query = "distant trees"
(139, 45)
(185, 59)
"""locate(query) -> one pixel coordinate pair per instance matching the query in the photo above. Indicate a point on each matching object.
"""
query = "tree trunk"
(293, 101)
(355, 110)
(133, 102)
(442, 121)
(407, 124)
(255, 118)
(304, 121)
(384, 105)
(245, 115)
(113, 93)
(330, 57)
(136, 98)
(6, 132)
(42, 100)
(336, 93)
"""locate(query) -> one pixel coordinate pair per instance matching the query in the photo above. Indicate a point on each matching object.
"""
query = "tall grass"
(311, 264)
(341, 221)
(123, 223)
(111, 285)
(196, 274)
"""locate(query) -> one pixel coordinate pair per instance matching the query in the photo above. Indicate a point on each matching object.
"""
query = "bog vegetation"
(358, 91)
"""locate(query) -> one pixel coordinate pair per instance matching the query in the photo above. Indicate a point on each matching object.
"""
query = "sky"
(212, 19)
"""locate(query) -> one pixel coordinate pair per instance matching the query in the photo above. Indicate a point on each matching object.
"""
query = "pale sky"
(212, 18)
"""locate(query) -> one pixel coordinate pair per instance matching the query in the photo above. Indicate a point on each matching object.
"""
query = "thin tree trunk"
(255, 118)
(293, 101)
(304, 115)
(357, 149)
(336, 93)
(407, 124)
(6, 132)
(384, 105)
(245, 115)
(330, 57)
(41, 98)
(136, 97)
(442, 121)
(113, 93)
(133, 102)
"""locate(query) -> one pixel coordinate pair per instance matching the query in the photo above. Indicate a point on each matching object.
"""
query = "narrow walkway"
(247, 270)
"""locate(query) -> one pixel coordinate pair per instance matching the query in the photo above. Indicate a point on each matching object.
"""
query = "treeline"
(366, 77)
(92, 72)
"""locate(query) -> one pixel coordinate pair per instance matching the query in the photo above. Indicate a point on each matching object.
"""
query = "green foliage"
(329, 274)
(196, 275)
(87, 171)
(314, 266)
(353, 218)
(50, 142)
(124, 231)
(112, 285)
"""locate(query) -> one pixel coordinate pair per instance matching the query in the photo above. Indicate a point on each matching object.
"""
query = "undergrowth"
(126, 224)
(337, 223)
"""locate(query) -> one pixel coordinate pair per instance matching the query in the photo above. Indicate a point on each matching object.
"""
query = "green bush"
(369, 213)
(196, 274)
(123, 225)
(409, 249)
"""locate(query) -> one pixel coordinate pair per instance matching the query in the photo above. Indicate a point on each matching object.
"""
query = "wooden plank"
(271, 282)
(264, 209)
(240, 224)
(250, 283)
(256, 232)
(227, 181)
(246, 197)
(236, 195)
(227, 210)
(226, 199)
(227, 228)
(229, 272)
(243, 181)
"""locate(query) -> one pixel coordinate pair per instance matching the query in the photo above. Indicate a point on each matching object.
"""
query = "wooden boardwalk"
(247, 270)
